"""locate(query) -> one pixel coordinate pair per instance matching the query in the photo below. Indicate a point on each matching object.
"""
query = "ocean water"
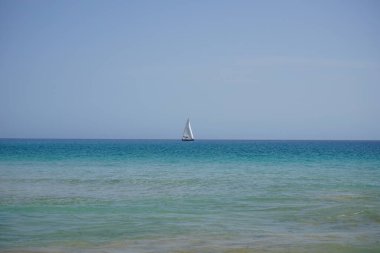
(201, 196)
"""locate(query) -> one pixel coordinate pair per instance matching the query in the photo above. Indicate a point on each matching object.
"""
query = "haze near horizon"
(237, 69)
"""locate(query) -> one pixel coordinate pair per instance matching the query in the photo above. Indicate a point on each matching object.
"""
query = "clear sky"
(238, 69)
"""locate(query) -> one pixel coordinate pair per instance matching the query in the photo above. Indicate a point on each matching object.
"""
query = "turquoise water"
(202, 196)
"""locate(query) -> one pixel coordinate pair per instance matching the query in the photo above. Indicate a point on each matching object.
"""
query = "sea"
(205, 196)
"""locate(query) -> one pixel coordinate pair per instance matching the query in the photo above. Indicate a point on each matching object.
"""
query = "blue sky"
(238, 69)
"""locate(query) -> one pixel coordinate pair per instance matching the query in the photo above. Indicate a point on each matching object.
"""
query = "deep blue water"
(202, 196)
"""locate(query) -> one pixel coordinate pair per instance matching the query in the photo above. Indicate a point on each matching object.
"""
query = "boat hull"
(187, 139)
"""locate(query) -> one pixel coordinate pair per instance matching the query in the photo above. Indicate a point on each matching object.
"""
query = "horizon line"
(179, 139)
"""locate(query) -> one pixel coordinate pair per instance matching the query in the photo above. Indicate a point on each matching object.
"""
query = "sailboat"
(187, 132)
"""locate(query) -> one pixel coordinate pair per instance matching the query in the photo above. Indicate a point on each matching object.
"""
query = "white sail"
(187, 132)
(190, 130)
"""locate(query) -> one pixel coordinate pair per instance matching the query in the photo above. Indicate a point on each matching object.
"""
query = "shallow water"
(202, 196)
